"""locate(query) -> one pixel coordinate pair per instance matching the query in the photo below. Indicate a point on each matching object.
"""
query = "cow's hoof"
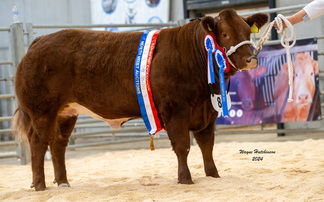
(54, 181)
(214, 175)
(185, 182)
(40, 188)
(32, 186)
(64, 185)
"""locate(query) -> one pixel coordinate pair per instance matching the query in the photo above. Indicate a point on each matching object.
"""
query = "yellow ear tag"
(254, 28)
(209, 29)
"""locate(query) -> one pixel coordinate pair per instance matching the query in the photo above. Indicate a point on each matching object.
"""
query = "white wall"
(46, 11)
(176, 10)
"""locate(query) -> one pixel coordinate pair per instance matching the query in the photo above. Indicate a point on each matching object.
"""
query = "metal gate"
(7, 97)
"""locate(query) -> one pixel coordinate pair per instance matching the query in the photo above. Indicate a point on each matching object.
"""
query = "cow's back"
(83, 66)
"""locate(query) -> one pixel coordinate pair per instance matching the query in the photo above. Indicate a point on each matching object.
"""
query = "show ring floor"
(292, 170)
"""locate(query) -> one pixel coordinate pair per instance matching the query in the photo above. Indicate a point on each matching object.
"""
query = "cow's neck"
(199, 42)
(190, 59)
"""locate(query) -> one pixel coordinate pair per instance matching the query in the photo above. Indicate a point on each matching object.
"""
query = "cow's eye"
(312, 73)
(224, 35)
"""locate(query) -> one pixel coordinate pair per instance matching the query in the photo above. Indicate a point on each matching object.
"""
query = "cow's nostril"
(303, 97)
(251, 62)
(250, 59)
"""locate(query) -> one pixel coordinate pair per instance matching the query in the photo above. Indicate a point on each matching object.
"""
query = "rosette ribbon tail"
(221, 62)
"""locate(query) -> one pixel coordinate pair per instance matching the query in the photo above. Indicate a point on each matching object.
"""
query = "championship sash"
(142, 81)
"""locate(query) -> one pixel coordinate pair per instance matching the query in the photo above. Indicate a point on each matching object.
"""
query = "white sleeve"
(314, 9)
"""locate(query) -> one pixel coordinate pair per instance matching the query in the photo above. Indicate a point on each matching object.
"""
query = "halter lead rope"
(285, 43)
(285, 40)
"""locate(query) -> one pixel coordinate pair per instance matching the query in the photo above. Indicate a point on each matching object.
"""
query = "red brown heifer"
(92, 72)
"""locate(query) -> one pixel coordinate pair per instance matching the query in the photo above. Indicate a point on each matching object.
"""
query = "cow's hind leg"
(39, 138)
(58, 148)
(205, 139)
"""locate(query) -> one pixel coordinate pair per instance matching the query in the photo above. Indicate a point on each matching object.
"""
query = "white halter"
(234, 48)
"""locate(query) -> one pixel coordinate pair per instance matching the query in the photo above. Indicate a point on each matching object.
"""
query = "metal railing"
(31, 27)
(276, 10)
(8, 98)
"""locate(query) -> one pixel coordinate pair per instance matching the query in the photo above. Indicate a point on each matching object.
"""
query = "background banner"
(129, 11)
(260, 95)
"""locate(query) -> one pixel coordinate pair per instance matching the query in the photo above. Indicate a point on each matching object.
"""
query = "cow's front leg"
(178, 132)
(205, 139)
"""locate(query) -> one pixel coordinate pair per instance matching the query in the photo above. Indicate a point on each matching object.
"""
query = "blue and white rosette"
(210, 48)
(221, 103)
(221, 63)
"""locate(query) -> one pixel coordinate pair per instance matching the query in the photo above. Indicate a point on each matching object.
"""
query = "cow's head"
(304, 83)
(230, 29)
(304, 68)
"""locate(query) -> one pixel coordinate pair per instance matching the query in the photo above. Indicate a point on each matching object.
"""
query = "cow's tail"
(21, 124)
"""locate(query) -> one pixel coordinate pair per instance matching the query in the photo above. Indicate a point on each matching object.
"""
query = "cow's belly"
(74, 109)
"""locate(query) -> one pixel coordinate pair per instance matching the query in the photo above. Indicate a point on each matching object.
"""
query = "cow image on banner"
(260, 95)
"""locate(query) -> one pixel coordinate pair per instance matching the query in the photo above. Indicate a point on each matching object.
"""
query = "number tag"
(217, 102)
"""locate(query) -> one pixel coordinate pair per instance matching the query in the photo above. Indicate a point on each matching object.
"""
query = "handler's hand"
(289, 18)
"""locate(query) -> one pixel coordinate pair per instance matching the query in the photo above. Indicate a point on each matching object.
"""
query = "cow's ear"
(315, 65)
(208, 24)
(259, 19)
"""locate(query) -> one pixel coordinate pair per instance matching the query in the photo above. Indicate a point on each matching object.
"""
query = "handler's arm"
(309, 12)
(314, 9)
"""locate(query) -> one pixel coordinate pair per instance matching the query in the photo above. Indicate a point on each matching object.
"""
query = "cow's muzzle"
(252, 62)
